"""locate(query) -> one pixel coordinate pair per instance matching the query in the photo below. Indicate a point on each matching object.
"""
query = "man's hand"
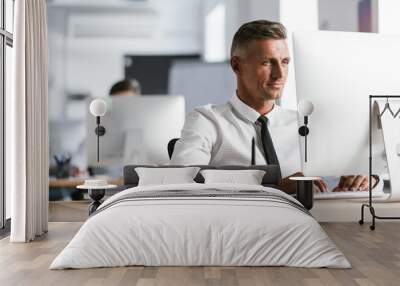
(354, 183)
(289, 186)
(320, 186)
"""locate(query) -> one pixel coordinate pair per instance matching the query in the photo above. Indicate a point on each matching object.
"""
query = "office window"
(6, 65)
(8, 86)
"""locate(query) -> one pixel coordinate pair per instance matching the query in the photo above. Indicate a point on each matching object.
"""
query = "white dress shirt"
(222, 135)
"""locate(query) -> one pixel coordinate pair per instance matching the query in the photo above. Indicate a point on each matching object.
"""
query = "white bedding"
(200, 231)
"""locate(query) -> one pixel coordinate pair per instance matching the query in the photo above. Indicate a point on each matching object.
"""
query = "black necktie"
(268, 146)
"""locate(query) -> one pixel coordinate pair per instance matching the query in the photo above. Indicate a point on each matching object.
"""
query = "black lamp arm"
(100, 131)
(304, 131)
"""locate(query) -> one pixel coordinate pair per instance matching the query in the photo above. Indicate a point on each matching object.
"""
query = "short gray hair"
(257, 30)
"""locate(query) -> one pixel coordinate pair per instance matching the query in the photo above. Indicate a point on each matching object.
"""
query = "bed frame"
(131, 179)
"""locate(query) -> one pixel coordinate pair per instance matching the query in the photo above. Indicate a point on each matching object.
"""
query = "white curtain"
(27, 123)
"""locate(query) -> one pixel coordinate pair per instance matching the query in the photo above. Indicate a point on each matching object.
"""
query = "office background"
(181, 46)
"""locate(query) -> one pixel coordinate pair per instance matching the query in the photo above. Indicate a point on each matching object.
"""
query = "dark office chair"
(171, 146)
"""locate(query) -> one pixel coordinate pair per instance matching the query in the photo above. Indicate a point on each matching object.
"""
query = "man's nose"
(277, 71)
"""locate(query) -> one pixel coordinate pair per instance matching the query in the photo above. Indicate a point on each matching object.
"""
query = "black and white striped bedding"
(206, 194)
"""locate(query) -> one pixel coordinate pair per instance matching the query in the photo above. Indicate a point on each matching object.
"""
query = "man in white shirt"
(223, 134)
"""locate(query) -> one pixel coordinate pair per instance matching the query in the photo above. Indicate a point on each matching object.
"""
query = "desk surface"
(73, 182)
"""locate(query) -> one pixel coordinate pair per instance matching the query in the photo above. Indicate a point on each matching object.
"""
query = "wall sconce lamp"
(305, 108)
(98, 108)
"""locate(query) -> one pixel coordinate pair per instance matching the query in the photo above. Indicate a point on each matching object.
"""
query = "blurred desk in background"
(65, 188)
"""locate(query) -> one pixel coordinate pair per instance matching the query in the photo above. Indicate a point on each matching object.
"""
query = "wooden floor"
(375, 257)
(68, 211)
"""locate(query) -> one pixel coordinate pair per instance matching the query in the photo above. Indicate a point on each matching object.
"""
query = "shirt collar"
(250, 114)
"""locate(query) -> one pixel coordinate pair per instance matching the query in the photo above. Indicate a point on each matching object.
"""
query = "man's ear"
(235, 64)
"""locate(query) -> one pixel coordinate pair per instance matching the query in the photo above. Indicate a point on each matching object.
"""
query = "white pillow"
(165, 176)
(248, 177)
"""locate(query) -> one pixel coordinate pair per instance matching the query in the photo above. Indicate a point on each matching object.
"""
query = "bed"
(200, 224)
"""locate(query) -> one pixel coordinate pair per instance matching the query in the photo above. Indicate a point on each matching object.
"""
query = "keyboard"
(347, 195)
(332, 182)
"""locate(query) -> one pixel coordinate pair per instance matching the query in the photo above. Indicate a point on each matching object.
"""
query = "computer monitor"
(138, 129)
(337, 71)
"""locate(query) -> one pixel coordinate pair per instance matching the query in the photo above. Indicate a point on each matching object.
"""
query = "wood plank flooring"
(375, 257)
(68, 211)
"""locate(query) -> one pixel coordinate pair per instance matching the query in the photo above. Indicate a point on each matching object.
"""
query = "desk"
(73, 182)
(70, 185)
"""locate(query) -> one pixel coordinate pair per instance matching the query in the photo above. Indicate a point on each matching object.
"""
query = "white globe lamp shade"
(305, 107)
(98, 107)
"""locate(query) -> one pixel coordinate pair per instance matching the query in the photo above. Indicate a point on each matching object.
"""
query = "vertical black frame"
(2, 101)
(369, 205)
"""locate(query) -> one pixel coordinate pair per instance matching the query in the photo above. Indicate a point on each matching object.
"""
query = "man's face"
(262, 68)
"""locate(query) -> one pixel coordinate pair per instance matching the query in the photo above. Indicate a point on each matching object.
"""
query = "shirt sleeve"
(197, 139)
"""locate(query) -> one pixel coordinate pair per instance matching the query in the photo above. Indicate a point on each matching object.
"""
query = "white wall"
(84, 63)
(296, 15)
(237, 12)
(214, 18)
(388, 20)
(338, 15)
(56, 22)
(258, 9)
